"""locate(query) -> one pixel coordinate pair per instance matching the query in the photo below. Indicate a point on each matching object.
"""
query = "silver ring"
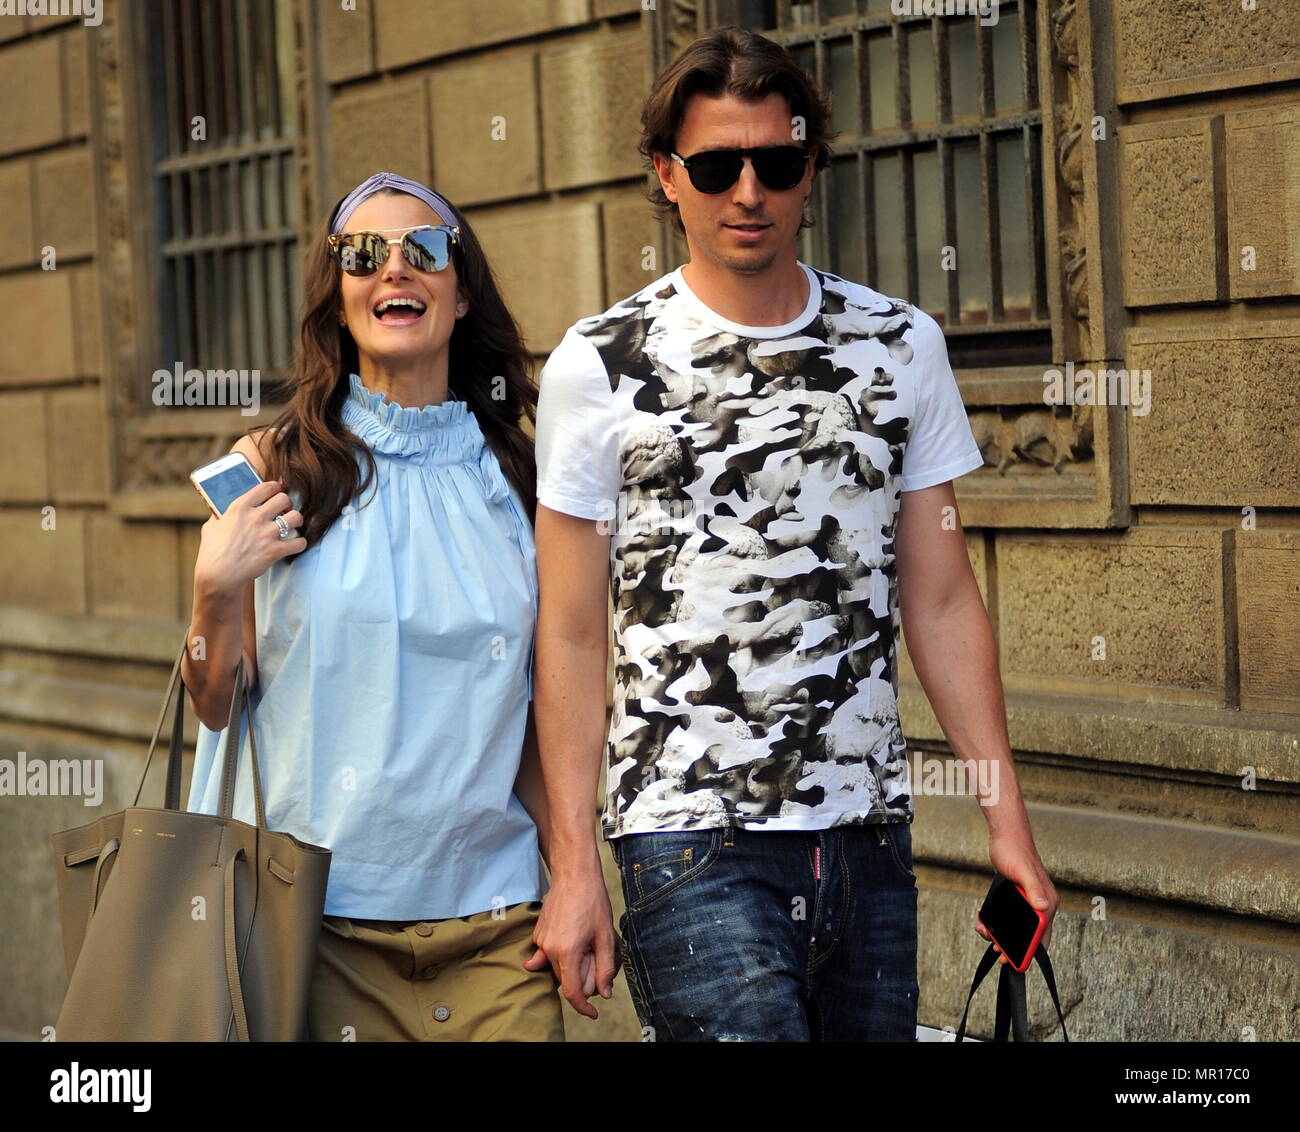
(286, 531)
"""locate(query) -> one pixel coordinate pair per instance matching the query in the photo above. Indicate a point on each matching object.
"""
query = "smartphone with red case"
(1015, 925)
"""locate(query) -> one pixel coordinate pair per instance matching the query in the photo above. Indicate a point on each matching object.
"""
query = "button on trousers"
(456, 980)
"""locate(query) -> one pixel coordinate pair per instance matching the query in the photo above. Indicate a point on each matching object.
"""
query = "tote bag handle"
(230, 749)
(1012, 1013)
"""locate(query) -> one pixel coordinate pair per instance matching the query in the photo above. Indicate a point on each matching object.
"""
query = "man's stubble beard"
(745, 265)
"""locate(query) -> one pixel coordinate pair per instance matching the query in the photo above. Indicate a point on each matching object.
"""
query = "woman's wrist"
(215, 596)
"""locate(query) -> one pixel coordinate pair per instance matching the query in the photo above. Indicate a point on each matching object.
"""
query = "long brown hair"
(728, 60)
(489, 367)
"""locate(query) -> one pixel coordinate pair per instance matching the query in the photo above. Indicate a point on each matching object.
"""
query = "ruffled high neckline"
(446, 433)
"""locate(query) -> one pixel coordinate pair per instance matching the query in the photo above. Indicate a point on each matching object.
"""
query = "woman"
(388, 639)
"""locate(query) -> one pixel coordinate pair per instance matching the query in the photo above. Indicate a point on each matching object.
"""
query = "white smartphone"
(224, 480)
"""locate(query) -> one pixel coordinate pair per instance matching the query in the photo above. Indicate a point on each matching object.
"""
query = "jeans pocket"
(635, 990)
(898, 837)
(657, 864)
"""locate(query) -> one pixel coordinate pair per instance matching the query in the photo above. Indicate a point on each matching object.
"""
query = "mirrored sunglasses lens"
(429, 250)
(361, 254)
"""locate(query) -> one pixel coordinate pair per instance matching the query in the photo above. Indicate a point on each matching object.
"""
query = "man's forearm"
(570, 693)
(955, 656)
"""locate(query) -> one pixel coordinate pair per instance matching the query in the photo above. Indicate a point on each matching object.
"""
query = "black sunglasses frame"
(411, 249)
(758, 155)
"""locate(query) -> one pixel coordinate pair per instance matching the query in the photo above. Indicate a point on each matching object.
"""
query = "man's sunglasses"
(779, 167)
(427, 247)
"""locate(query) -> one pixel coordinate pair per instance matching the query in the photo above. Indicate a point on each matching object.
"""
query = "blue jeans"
(746, 935)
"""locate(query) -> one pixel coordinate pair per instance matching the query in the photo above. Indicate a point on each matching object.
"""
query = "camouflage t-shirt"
(750, 479)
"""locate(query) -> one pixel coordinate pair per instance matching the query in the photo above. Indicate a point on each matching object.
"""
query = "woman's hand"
(240, 545)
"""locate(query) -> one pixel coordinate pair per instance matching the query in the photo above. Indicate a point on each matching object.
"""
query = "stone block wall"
(1140, 570)
(1147, 645)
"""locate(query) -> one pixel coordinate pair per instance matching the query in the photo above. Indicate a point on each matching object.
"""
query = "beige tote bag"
(182, 926)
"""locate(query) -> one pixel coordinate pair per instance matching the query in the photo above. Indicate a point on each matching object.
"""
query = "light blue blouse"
(394, 673)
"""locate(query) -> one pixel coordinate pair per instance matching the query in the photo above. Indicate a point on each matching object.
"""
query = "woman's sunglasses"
(779, 167)
(427, 247)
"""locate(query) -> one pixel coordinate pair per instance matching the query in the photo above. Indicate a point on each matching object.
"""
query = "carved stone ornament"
(1072, 125)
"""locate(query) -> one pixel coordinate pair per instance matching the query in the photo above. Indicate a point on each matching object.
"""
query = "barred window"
(225, 204)
(939, 148)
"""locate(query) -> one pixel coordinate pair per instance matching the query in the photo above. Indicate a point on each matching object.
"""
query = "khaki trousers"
(456, 980)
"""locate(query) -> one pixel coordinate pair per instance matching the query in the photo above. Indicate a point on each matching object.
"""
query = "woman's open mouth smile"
(399, 310)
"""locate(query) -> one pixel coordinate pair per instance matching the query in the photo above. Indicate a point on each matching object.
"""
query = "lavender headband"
(377, 181)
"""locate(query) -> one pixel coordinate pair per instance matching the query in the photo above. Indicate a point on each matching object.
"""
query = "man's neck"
(769, 298)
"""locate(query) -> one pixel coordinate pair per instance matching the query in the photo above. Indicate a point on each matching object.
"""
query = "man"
(758, 456)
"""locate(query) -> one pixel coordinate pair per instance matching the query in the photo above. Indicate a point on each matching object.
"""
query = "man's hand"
(1014, 856)
(575, 935)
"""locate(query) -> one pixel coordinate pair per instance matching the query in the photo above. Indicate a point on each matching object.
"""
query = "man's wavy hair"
(489, 367)
(728, 60)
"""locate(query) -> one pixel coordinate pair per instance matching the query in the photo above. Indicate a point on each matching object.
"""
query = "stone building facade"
(1140, 568)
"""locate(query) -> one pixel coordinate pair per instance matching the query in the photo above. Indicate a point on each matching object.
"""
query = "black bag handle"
(1012, 1013)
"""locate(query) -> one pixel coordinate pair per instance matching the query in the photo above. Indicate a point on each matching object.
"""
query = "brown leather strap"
(174, 750)
(104, 854)
(238, 1016)
(239, 698)
(230, 755)
(252, 743)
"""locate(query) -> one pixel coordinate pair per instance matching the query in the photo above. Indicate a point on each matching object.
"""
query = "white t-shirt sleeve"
(941, 445)
(579, 466)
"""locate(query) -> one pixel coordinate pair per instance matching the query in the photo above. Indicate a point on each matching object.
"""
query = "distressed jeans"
(746, 935)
